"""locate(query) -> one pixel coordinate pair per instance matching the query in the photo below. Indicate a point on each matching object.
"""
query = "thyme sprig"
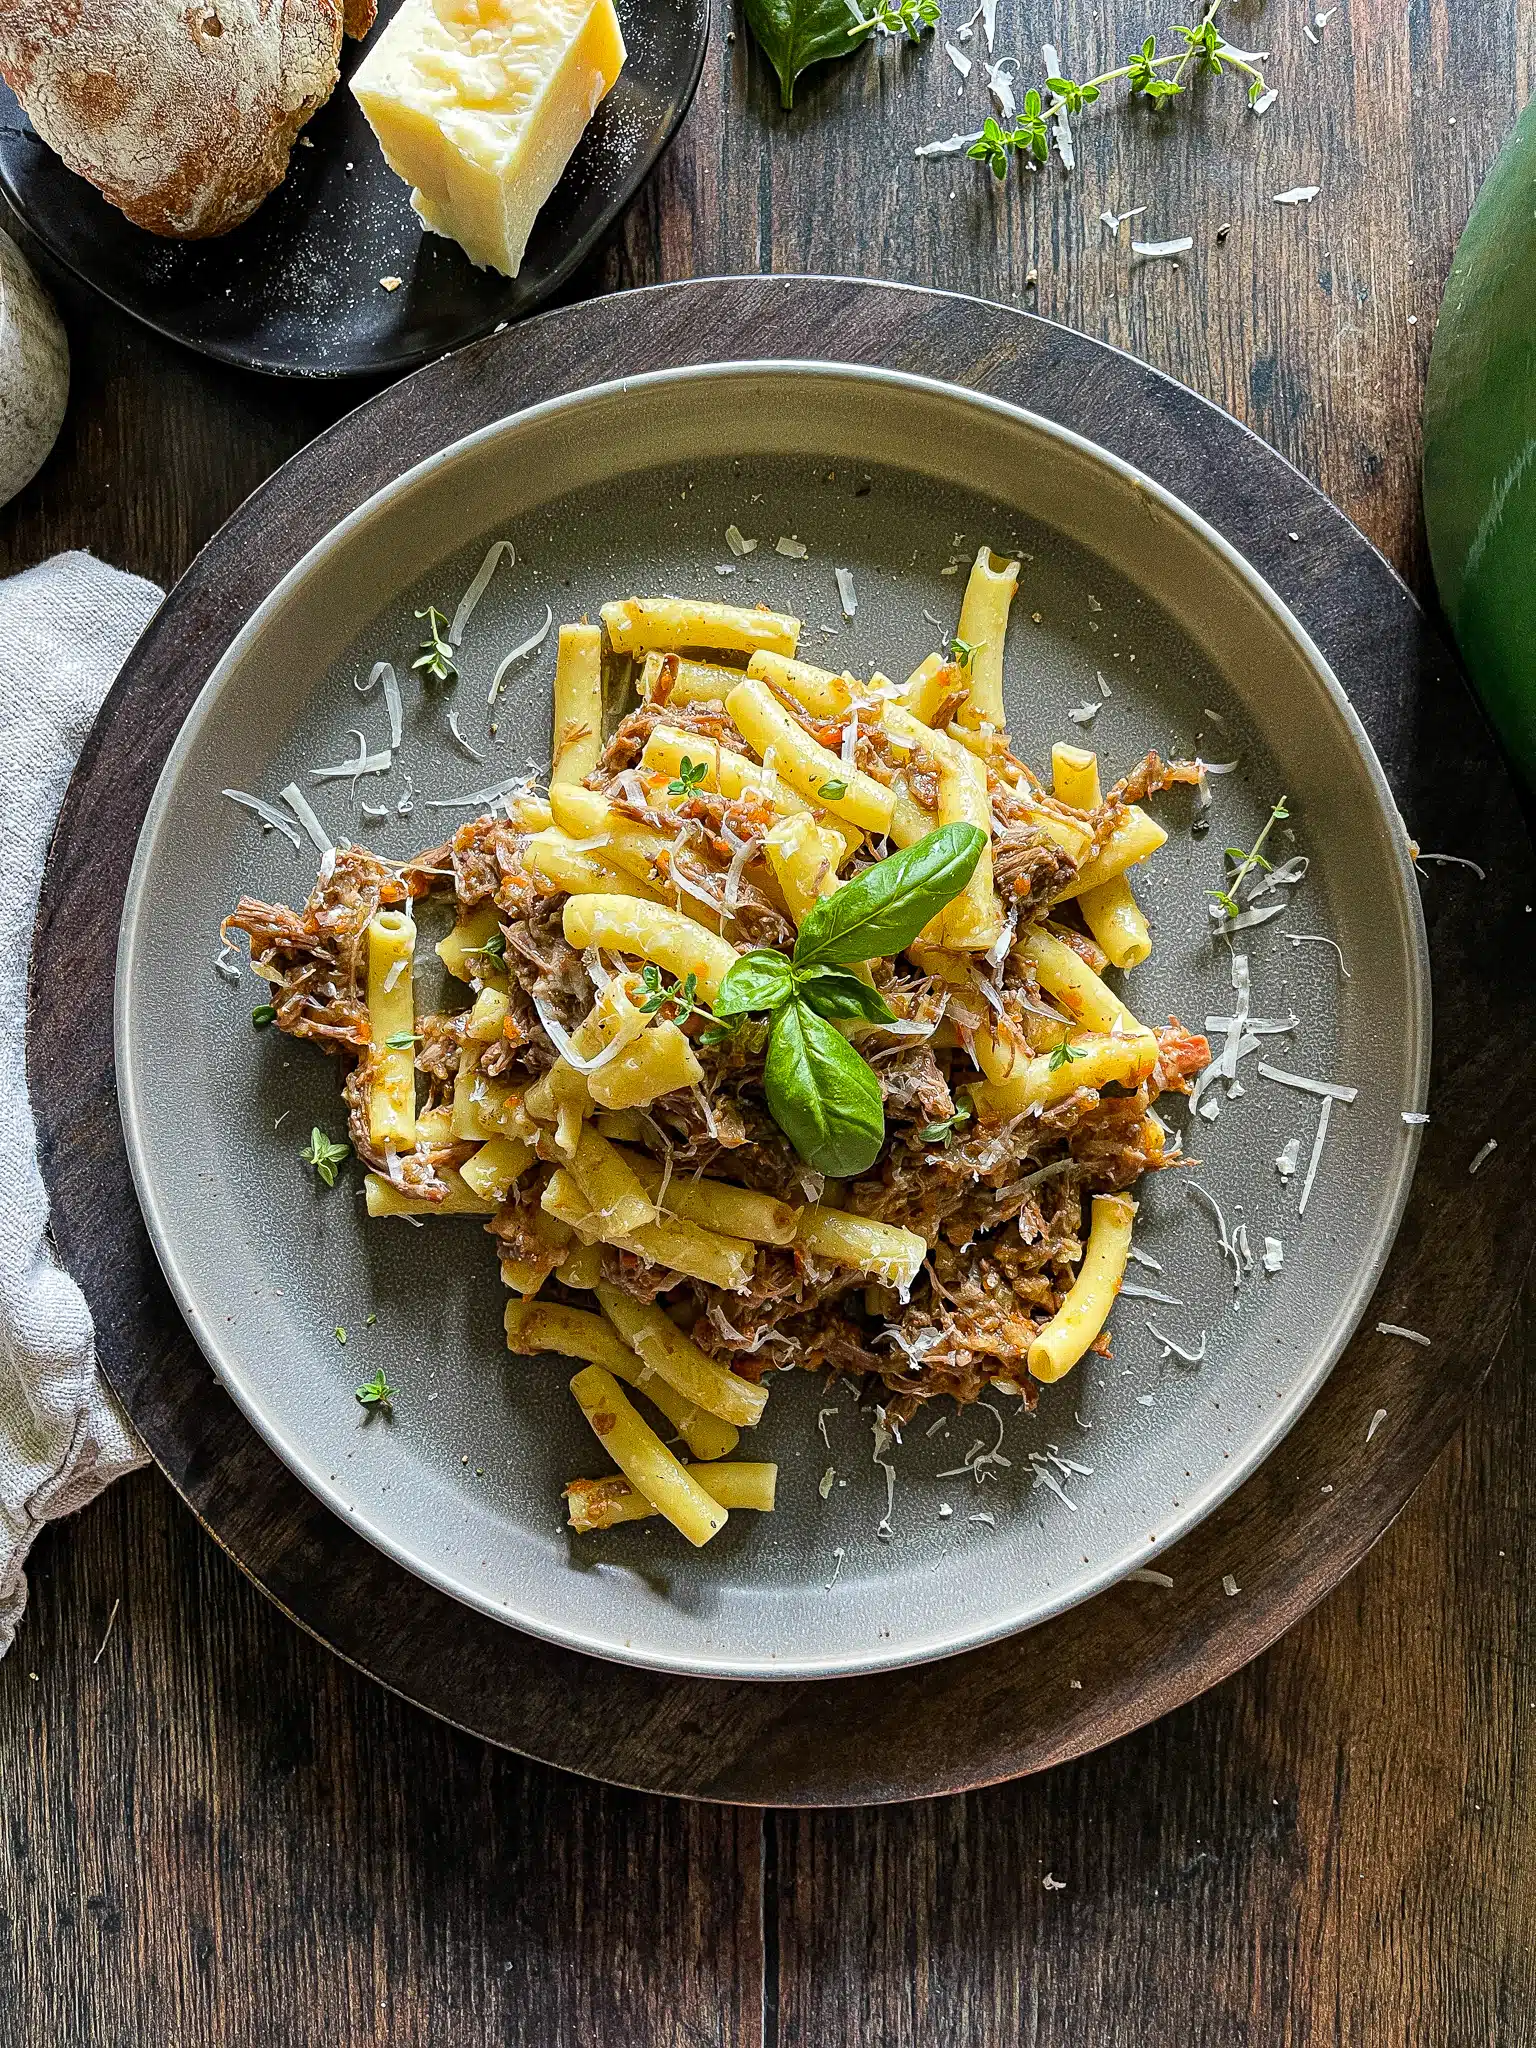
(1243, 864)
(1146, 72)
(910, 18)
(377, 1395)
(435, 660)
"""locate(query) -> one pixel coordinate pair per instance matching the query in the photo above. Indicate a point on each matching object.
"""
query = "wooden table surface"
(217, 1836)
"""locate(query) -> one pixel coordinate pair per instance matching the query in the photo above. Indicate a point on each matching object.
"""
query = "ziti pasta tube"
(651, 1332)
(886, 1252)
(671, 1242)
(1086, 1060)
(637, 625)
(1133, 839)
(576, 1333)
(385, 1199)
(463, 951)
(1091, 1296)
(392, 1031)
(643, 1458)
(650, 931)
(578, 704)
(805, 764)
(816, 690)
(983, 627)
(1110, 911)
(693, 682)
(605, 1503)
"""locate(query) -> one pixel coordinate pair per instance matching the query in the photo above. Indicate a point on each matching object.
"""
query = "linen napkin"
(65, 631)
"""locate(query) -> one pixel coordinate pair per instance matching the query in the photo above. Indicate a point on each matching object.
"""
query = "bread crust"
(181, 112)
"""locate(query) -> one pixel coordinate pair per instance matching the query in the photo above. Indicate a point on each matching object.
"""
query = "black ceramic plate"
(295, 290)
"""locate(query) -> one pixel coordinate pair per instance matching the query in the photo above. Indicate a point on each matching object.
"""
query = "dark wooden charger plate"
(1289, 1535)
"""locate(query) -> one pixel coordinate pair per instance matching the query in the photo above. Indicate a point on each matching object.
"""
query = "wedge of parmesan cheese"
(478, 105)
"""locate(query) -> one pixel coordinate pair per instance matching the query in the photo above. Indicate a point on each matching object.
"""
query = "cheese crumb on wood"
(479, 104)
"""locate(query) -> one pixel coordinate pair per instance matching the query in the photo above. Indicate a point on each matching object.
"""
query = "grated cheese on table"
(1178, 246)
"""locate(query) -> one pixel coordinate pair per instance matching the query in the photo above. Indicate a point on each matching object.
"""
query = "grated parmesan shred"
(271, 817)
(1178, 246)
(479, 585)
(951, 145)
(1171, 1348)
(534, 641)
(1402, 1330)
(1452, 860)
(492, 794)
(384, 671)
(1318, 939)
(1060, 130)
(1134, 1291)
(1323, 1114)
(460, 741)
(293, 797)
(1223, 1236)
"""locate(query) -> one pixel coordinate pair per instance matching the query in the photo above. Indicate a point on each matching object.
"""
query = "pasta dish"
(783, 1037)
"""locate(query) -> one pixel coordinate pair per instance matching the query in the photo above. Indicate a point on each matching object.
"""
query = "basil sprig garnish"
(824, 1098)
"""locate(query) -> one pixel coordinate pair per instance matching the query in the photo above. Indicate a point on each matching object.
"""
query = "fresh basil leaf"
(823, 1097)
(796, 34)
(760, 980)
(834, 992)
(882, 910)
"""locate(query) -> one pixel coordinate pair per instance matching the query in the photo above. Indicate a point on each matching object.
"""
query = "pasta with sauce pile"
(619, 1120)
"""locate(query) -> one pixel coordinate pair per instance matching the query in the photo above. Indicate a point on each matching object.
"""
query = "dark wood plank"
(219, 1834)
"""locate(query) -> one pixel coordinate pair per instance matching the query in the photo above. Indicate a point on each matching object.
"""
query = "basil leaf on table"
(834, 992)
(881, 911)
(823, 1097)
(796, 34)
(760, 980)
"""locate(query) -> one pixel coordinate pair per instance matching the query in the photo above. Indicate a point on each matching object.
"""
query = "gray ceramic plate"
(631, 488)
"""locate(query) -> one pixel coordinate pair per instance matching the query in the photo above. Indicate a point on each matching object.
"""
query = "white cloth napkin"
(65, 631)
